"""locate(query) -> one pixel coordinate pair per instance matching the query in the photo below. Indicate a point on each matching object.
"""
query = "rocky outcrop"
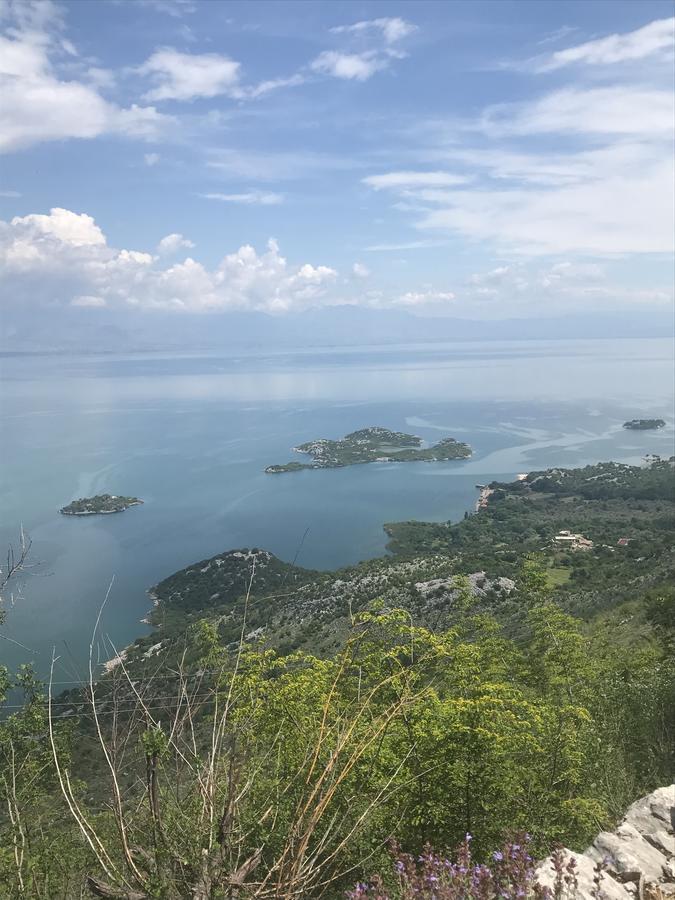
(637, 859)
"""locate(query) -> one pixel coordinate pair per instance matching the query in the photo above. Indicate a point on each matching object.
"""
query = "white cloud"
(32, 15)
(392, 29)
(74, 229)
(63, 258)
(272, 84)
(37, 105)
(88, 300)
(349, 66)
(618, 213)
(151, 159)
(424, 298)
(100, 78)
(403, 180)
(187, 76)
(360, 271)
(565, 285)
(614, 110)
(9, 194)
(657, 37)
(374, 52)
(172, 243)
(250, 198)
(597, 181)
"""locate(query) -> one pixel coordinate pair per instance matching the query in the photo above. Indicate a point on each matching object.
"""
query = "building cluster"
(572, 541)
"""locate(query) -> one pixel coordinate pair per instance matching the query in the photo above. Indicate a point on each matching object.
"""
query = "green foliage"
(400, 696)
(39, 856)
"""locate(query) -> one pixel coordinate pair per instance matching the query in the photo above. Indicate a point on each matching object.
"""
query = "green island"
(100, 505)
(507, 672)
(644, 424)
(374, 444)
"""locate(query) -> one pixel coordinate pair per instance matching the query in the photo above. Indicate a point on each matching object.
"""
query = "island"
(644, 424)
(375, 444)
(100, 505)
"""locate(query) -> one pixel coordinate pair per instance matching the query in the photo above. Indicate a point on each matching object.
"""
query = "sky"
(481, 160)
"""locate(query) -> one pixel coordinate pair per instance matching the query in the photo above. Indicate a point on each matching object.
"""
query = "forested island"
(644, 424)
(100, 505)
(374, 444)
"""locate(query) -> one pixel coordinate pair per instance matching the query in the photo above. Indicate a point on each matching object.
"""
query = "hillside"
(280, 724)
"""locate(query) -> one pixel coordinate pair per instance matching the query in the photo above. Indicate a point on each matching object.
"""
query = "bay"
(192, 435)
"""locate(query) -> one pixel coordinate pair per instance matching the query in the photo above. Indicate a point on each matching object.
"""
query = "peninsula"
(644, 424)
(100, 505)
(373, 444)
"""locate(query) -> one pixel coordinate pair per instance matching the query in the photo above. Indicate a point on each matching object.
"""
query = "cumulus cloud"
(172, 243)
(360, 271)
(188, 76)
(655, 38)
(151, 159)
(39, 105)
(361, 63)
(349, 66)
(63, 257)
(249, 198)
(72, 229)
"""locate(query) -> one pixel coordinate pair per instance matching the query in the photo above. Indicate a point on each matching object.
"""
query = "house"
(623, 542)
(572, 541)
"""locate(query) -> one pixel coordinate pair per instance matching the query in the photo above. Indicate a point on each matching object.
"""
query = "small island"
(100, 505)
(644, 424)
(375, 444)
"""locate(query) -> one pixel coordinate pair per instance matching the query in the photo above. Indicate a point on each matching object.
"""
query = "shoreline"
(484, 496)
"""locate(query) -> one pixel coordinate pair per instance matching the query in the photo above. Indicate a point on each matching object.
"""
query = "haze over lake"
(191, 435)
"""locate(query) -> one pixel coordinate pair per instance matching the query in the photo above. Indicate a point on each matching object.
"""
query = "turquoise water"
(192, 435)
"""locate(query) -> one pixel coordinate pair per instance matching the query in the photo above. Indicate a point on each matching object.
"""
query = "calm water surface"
(192, 435)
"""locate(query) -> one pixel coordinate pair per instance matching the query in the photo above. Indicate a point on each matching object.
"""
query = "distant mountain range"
(92, 330)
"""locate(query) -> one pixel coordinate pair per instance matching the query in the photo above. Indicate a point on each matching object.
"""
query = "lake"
(191, 435)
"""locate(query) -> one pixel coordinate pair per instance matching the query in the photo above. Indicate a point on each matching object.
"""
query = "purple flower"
(498, 856)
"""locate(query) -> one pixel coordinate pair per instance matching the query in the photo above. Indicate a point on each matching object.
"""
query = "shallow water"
(192, 435)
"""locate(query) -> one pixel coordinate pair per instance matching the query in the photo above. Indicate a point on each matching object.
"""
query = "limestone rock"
(638, 857)
(611, 889)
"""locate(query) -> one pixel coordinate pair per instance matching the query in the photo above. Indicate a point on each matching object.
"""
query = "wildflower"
(498, 856)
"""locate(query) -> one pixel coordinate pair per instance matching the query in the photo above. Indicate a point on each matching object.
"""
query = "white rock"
(611, 889)
(643, 843)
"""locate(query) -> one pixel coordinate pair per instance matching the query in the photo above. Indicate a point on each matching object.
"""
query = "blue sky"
(479, 159)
